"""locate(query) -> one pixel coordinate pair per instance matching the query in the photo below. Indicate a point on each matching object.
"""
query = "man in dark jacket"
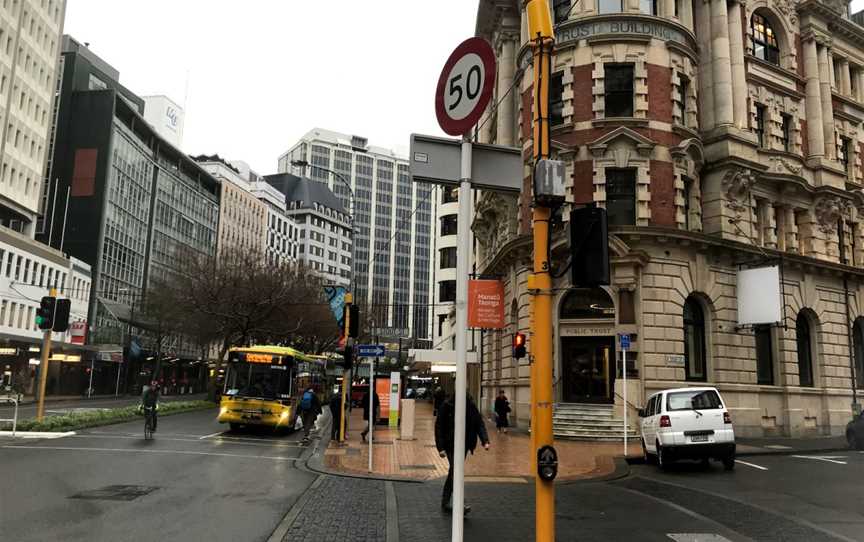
(438, 397)
(377, 413)
(336, 414)
(310, 408)
(445, 429)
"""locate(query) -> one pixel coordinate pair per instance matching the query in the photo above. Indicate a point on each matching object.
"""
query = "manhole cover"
(116, 493)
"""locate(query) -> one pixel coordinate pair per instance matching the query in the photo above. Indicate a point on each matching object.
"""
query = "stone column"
(722, 68)
(739, 78)
(706, 95)
(791, 230)
(686, 13)
(506, 67)
(860, 85)
(845, 80)
(827, 108)
(667, 8)
(813, 101)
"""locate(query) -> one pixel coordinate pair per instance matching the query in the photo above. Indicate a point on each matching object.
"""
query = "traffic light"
(61, 315)
(518, 345)
(589, 247)
(45, 313)
(353, 320)
(348, 361)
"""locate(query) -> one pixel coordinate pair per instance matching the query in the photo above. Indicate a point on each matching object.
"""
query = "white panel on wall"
(759, 300)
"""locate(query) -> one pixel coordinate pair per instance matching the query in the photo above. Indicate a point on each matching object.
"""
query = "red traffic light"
(518, 345)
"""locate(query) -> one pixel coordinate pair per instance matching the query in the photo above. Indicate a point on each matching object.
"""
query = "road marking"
(777, 447)
(211, 435)
(755, 466)
(148, 451)
(37, 434)
(825, 458)
(697, 537)
(176, 439)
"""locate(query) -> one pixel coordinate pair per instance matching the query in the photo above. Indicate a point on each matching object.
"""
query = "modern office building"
(282, 243)
(393, 226)
(243, 217)
(127, 202)
(29, 48)
(717, 137)
(324, 235)
(166, 117)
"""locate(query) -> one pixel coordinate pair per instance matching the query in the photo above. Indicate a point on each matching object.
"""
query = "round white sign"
(465, 86)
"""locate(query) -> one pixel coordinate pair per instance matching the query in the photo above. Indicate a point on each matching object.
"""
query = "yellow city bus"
(263, 385)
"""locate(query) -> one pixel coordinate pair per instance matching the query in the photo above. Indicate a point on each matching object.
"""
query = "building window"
(688, 193)
(786, 128)
(805, 350)
(764, 356)
(441, 319)
(764, 40)
(447, 291)
(448, 258)
(694, 341)
(449, 194)
(843, 155)
(621, 196)
(619, 90)
(857, 338)
(449, 225)
(556, 99)
(610, 6)
(760, 124)
(684, 89)
(648, 7)
(561, 8)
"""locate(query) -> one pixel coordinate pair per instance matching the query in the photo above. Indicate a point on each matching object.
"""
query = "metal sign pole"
(462, 255)
(371, 406)
(90, 384)
(624, 372)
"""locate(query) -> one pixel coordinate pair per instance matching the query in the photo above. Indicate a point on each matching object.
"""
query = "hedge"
(93, 418)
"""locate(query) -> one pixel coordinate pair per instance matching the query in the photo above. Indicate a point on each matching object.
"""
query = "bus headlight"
(223, 410)
(284, 414)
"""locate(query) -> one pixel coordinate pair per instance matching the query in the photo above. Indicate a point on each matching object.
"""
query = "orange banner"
(486, 304)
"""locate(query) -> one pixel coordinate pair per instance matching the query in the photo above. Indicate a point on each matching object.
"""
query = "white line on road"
(755, 466)
(148, 451)
(697, 537)
(825, 458)
(262, 444)
(211, 435)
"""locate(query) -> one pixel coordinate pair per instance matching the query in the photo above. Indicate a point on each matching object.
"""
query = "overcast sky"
(261, 73)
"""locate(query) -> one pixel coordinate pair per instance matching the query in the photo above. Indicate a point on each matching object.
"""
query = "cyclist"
(150, 401)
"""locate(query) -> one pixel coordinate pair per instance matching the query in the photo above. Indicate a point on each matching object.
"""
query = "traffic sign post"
(625, 346)
(371, 350)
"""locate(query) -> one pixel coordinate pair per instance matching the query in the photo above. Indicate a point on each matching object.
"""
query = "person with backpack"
(445, 431)
(310, 408)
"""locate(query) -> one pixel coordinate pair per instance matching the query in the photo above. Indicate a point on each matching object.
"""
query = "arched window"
(581, 303)
(858, 342)
(765, 45)
(694, 340)
(805, 349)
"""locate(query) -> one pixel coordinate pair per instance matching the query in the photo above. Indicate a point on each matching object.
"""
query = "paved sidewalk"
(507, 461)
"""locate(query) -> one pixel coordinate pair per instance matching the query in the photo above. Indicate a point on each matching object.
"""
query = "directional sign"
(371, 350)
(465, 86)
(625, 341)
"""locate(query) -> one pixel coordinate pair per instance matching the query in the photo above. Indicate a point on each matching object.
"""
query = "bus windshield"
(259, 380)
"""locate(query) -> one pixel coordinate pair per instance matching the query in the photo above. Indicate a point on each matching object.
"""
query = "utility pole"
(540, 282)
(346, 373)
(43, 366)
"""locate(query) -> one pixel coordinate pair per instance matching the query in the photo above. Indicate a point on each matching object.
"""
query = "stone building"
(717, 135)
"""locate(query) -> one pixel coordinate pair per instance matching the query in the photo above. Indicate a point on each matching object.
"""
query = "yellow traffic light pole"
(542, 38)
(43, 367)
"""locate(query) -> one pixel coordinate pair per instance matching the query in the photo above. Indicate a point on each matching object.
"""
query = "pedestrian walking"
(438, 397)
(335, 414)
(375, 415)
(445, 429)
(502, 409)
(310, 408)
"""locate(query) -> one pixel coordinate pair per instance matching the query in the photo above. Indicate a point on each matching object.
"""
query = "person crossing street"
(445, 430)
(310, 408)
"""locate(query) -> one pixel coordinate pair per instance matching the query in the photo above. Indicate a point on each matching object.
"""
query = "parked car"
(687, 423)
(855, 433)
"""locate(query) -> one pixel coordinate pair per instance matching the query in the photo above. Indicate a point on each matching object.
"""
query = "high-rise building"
(392, 223)
(324, 235)
(283, 233)
(716, 137)
(29, 49)
(125, 200)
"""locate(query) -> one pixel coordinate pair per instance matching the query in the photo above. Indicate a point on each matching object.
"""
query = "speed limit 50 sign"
(465, 86)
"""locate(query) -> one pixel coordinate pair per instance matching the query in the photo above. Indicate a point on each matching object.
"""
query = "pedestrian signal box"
(518, 345)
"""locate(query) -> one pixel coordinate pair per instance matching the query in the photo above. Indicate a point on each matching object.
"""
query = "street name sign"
(625, 341)
(371, 350)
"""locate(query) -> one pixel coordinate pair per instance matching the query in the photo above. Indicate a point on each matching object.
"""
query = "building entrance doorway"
(588, 369)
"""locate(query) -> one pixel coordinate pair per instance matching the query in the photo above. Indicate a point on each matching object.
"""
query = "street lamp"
(304, 164)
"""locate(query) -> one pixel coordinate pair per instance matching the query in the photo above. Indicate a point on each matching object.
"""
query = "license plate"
(699, 438)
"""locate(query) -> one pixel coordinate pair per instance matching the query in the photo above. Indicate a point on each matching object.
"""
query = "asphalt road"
(194, 481)
(53, 408)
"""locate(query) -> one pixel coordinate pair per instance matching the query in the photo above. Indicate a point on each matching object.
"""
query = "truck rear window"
(693, 400)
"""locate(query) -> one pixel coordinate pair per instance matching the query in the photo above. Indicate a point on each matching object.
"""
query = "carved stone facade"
(740, 150)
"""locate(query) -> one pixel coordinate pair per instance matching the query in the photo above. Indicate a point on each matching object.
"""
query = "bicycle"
(149, 422)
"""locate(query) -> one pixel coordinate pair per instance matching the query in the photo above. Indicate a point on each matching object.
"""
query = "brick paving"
(506, 461)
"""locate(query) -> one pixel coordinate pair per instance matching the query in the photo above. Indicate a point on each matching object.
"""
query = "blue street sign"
(625, 341)
(370, 350)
